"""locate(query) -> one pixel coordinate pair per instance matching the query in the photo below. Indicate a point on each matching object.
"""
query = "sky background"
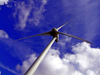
(22, 18)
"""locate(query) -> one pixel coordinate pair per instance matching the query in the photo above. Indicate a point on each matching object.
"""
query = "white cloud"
(38, 13)
(85, 61)
(26, 64)
(44, 2)
(3, 34)
(0, 72)
(54, 65)
(24, 11)
(2, 2)
(63, 41)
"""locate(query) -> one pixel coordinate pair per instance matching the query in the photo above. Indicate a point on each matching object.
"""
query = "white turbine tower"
(55, 33)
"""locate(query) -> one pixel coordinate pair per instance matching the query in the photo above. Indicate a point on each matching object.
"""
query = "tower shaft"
(37, 62)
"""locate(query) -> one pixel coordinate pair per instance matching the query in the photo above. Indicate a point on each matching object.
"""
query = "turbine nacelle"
(55, 33)
(54, 29)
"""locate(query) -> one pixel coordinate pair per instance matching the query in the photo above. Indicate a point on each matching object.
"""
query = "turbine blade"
(63, 25)
(47, 33)
(75, 37)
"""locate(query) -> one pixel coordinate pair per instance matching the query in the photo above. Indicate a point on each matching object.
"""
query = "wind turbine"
(55, 34)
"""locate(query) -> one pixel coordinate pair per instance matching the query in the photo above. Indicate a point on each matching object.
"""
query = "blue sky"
(22, 18)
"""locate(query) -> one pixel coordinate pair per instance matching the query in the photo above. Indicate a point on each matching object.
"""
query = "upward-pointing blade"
(62, 25)
(47, 33)
(75, 37)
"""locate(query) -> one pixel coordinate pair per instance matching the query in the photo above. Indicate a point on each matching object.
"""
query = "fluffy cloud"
(85, 61)
(26, 64)
(2, 2)
(3, 34)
